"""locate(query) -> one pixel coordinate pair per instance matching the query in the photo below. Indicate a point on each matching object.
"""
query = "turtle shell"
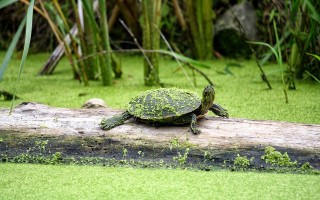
(164, 103)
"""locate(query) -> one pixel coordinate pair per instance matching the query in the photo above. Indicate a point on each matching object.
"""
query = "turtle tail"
(107, 124)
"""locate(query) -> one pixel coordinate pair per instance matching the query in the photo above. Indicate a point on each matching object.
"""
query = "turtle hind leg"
(218, 110)
(107, 124)
(193, 125)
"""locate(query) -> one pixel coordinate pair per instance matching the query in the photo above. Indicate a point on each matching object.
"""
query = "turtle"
(168, 106)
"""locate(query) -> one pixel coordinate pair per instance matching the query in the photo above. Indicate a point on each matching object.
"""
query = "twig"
(200, 72)
(136, 42)
(168, 45)
(243, 33)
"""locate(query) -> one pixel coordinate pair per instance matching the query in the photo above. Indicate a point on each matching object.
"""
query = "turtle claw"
(218, 110)
(106, 124)
(193, 125)
(196, 131)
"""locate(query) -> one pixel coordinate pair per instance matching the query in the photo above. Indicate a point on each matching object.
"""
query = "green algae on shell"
(164, 103)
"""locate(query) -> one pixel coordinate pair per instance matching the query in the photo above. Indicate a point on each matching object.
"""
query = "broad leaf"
(185, 59)
(26, 45)
(5, 3)
(12, 46)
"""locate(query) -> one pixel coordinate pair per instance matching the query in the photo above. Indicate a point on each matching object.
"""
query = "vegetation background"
(274, 77)
(187, 28)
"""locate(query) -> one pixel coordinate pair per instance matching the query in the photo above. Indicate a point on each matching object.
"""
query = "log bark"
(223, 138)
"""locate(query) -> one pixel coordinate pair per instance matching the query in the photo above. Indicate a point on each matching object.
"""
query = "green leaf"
(26, 45)
(269, 53)
(314, 14)
(279, 59)
(185, 59)
(5, 3)
(314, 77)
(267, 45)
(27, 37)
(272, 15)
(294, 10)
(314, 55)
(12, 46)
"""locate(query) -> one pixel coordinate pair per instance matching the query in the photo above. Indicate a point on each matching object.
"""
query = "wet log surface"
(76, 132)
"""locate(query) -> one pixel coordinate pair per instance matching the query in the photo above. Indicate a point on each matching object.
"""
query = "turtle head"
(207, 98)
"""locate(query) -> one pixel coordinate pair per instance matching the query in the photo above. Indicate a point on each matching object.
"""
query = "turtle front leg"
(193, 125)
(218, 110)
(107, 124)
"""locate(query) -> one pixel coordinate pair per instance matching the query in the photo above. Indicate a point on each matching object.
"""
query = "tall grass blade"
(314, 55)
(65, 43)
(318, 58)
(12, 46)
(4, 3)
(314, 13)
(277, 44)
(26, 46)
(269, 54)
(185, 59)
(280, 61)
(73, 42)
(315, 78)
(267, 45)
(278, 56)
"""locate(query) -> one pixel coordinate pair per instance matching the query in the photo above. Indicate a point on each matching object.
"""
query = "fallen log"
(77, 132)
